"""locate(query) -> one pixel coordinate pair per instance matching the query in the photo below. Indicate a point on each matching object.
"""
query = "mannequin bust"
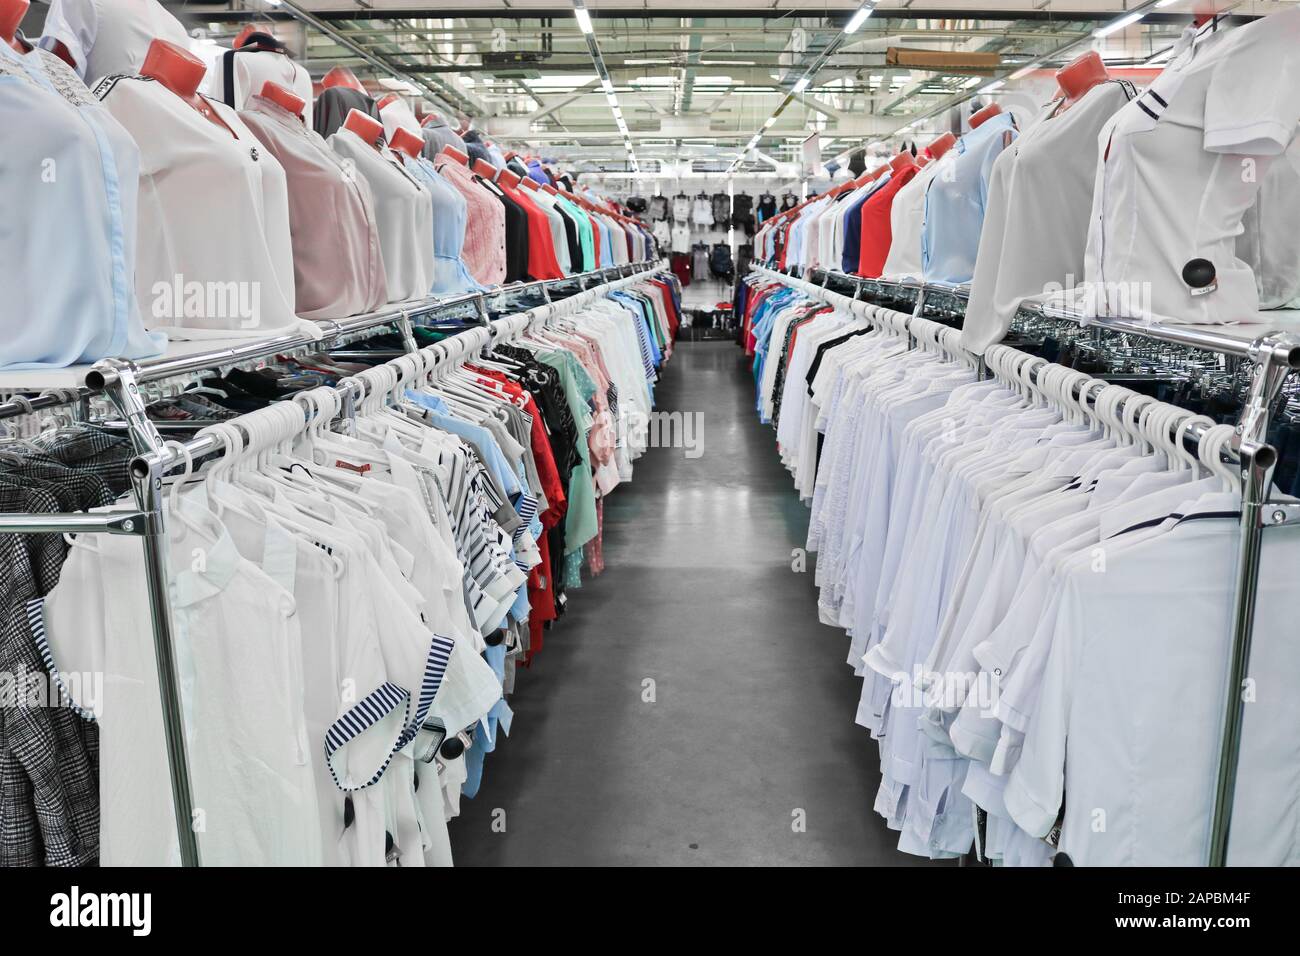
(1080, 75)
(404, 141)
(278, 94)
(902, 161)
(941, 145)
(367, 127)
(249, 30)
(508, 179)
(452, 153)
(11, 14)
(342, 76)
(181, 72)
(485, 169)
(384, 101)
(431, 119)
(987, 113)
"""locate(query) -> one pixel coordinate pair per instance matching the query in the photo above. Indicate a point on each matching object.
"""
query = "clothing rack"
(1272, 356)
(121, 380)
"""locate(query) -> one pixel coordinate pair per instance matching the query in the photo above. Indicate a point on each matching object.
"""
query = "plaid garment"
(49, 790)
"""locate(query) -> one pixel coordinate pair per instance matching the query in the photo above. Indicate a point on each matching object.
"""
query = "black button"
(1062, 859)
(495, 638)
(452, 748)
(349, 812)
(1198, 273)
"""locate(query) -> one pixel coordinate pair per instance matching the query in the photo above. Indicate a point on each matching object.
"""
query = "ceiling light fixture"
(802, 84)
(1116, 25)
(583, 17)
(860, 17)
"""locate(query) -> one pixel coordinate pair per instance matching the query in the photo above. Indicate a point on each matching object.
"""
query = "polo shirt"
(1168, 240)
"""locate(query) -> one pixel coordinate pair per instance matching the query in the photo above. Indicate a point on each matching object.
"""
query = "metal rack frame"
(1272, 356)
(120, 380)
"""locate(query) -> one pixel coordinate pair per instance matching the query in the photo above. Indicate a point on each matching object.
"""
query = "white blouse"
(404, 209)
(215, 256)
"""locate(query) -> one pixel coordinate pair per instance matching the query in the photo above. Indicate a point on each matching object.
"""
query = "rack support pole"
(1257, 462)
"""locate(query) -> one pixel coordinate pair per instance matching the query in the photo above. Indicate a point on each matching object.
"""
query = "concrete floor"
(752, 717)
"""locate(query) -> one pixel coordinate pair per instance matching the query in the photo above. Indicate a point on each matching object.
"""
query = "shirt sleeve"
(1036, 786)
(74, 23)
(1252, 105)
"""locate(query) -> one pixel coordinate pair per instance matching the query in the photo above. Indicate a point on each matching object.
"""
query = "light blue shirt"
(954, 203)
(70, 177)
(450, 216)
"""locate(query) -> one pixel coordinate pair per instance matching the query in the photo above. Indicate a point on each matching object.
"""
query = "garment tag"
(1203, 290)
(351, 466)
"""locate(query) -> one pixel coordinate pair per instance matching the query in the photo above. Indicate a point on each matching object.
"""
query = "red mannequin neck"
(507, 178)
(547, 187)
(387, 99)
(177, 69)
(901, 162)
(986, 113)
(342, 76)
(11, 14)
(530, 184)
(278, 94)
(249, 30)
(941, 145)
(484, 169)
(404, 141)
(451, 152)
(1081, 74)
(368, 128)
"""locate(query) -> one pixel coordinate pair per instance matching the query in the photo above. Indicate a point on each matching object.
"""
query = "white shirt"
(1036, 221)
(253, 69)
(681, 237)
(404, 209)
(236, 635)
(110, 37)
(215, 254)
(1176, 179)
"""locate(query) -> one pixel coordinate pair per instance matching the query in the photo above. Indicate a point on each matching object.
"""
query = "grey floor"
(751, 726)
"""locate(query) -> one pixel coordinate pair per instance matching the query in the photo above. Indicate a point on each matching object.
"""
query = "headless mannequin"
(368, 128)
(508, 179)
(986, 113)
(404, 141)
(941, 145)
(342, 76)
(485, 169)
(1080, 75)
(452, 153)
(11, 14)
(279, 95)
(181, 72)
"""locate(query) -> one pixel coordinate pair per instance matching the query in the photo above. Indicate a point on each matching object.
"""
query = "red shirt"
(876, 234)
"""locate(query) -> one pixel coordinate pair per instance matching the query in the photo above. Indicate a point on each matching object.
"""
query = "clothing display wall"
(959, 524)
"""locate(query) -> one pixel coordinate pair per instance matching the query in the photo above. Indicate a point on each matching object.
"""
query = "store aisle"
(752, 716)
